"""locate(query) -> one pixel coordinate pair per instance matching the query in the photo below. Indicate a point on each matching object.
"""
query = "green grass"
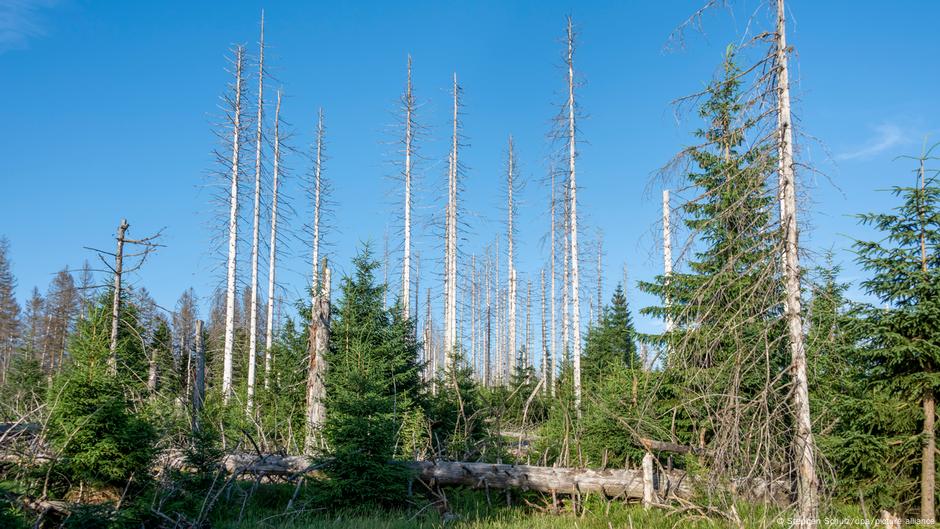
(473, 512)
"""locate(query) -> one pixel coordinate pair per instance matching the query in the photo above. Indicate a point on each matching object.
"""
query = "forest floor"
(470, 510)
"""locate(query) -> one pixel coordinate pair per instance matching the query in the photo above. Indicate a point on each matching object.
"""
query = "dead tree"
(450, 257)
(317, 347)
(667, 250)
(235, 115)
(147, 246)
(199, 385)
(318, 195)
(255, 230)
(544, 342)
(408, 104)
(573, 226)
(554, 350)
(804, 444)
(272, 246)
(511, 265)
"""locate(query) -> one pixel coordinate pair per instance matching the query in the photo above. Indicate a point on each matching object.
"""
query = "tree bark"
(406, 258)
(232, 233)
(573, 229)
(318, 345)
(255, 230)
(116, 297)
(199, 385)
(804, 445)
(272, 248)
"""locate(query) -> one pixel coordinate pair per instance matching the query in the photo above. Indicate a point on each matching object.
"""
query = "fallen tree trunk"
(619, 483)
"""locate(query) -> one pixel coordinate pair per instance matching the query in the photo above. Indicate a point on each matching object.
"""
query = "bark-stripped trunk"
(529, 359)
(804, 445)
(199, 382)
(406, 258)
(429, 354)
(511, 262)
(116, 297)
(318, 345)
(255, 230)
(497, 293)
(554, 348)
(272, 249)
(473, 314)
(566, 283)
(487, 333)
(232, 234)
(317, 201)
(600, 279)
(667, 252)
(573, 227)
(544, 342)
(450, 316)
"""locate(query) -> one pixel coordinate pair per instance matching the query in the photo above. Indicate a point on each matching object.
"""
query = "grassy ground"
(471, 511)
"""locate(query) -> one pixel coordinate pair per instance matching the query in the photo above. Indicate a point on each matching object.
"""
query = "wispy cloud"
(20, 21)
(887, 135)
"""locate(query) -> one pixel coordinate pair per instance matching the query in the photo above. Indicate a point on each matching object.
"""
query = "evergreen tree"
(9, 311)
(726, 304)
(611, 344)
(371, 385)
(905, 331)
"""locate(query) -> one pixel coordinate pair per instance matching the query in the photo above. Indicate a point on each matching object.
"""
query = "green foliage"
(92, 424)
(457, 413)
(611, 344)
(24, 389)
(372, 383)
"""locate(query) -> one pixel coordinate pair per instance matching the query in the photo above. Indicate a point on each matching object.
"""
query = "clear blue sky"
(107, 109)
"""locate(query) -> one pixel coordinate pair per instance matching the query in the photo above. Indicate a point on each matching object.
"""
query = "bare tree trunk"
(498, 377)
(529, 359)
(316, 373)
(511, 262)
(272, 250)
(317, 201)
(116, 297)
(554, 349)
(928, 467)
(667, 252)
(406, 258)
(544, 342)
(232, 234)
(199, 384)
(805, 446)
(487, 333)
(450, 322)
(573, 227)
(600, 278)
(430, 356)
(255, 230)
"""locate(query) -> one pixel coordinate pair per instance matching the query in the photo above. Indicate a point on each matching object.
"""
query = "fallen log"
(613, 483)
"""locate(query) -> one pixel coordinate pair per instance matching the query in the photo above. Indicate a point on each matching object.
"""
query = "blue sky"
(108, 106)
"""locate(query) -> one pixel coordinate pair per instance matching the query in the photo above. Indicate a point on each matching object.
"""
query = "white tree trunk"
(232, 234)
(317, 202)
(511, 268)
(406, 258)
(255, 230)
(600, 279)
(450, 322)
(316, 371)
(272, 249)
(199, 382)
(804, 445)
(573, 227)
(667, 252)
(544, 341)
(554, 350)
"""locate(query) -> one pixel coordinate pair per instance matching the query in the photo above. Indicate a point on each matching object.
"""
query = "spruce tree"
(905, 331)
(611, 344)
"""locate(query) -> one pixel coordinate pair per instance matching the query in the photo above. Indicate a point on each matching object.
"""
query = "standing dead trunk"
(409, 106)
(511, 268)
(116, 296)
(272, 247)
(450, 258)
(544, 341)
(667, 251)
(317, 201)
(318, 345)
(232, 233)
(199, 384)
(804, 445)
(600, 278)
(255, 231)
(573, 227)
(554, 351)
